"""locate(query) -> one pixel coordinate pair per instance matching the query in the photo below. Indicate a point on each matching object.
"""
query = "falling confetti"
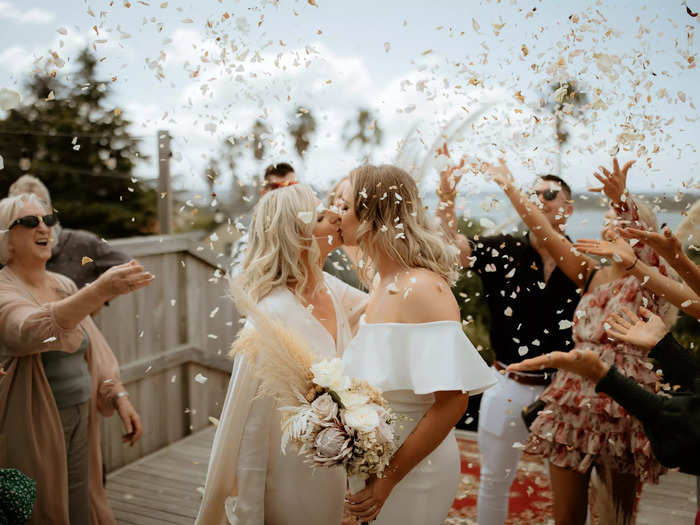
(85, 260)
(9, 99)
(200, 378)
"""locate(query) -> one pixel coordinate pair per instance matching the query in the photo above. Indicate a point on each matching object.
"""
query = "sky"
(206, 70)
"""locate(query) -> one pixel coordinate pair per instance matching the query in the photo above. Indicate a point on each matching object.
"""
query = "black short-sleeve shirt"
(525, 311)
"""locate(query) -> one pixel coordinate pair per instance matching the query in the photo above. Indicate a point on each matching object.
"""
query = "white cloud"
(15, 59)
(35, 15)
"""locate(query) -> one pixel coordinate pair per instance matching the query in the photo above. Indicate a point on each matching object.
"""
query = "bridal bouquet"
(341, 421)
(332, 419)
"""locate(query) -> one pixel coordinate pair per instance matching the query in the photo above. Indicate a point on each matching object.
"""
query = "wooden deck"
(164, 488)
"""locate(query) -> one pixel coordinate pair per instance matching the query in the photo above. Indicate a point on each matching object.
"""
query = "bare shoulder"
(427, 298)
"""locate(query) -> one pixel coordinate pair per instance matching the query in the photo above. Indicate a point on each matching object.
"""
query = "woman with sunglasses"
(579, 427)
(60, 371)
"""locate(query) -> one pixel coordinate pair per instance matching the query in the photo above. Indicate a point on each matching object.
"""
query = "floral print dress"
(580, 427)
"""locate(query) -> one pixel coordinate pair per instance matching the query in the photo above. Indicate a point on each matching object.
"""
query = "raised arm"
(447, 193)
(575, 265)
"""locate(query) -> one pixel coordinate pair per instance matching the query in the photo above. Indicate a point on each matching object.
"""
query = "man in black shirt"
(532, 305)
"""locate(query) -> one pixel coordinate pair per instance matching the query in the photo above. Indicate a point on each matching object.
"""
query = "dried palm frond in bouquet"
(331, 418)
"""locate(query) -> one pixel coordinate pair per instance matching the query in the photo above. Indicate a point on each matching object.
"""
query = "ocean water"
(585, 223)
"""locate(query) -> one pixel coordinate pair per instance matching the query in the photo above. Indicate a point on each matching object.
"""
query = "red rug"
(530, 495)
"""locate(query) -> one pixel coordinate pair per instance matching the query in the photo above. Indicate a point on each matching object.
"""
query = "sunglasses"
(32, 221)
(549, 195)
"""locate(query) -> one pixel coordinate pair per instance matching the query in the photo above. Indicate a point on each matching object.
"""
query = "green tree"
(81, 148)
(468, 291)
(211, 175)
(243, 195)
(363, 131)
(259, 134)
(301, 127)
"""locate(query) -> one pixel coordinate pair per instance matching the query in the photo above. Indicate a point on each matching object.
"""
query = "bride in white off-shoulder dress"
(410, 344)
(409, 362)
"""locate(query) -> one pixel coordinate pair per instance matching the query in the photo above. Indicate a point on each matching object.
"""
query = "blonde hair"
(282, 250)
(646, 215)
(333, 193)
(10, 209)
(30, 184)
(690, 225)
(648, 220)
(393, 221)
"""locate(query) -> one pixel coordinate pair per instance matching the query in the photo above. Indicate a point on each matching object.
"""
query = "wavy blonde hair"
(282, 250)
(394, 221)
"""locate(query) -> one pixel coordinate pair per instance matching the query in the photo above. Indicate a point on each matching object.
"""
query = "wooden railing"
(168, 337)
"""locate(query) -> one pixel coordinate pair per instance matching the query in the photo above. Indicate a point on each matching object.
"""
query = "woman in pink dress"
(580, 428)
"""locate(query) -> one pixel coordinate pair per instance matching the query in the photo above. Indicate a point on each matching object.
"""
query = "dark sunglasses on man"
(32, 221)
(549, 195)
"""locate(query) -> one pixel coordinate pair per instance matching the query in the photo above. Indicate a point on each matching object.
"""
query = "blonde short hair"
(30, 184)
(282, 250)
(393, 221)
(11, 209)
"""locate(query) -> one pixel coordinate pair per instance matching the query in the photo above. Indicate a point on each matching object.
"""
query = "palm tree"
(302, 125)
(364, 131)
(259, 131)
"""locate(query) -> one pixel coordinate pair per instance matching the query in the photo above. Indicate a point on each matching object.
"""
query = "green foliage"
(82, 150)
(473, 308)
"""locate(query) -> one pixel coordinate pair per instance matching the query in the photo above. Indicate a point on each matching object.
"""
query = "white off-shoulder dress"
(409, 362)
(250, 481)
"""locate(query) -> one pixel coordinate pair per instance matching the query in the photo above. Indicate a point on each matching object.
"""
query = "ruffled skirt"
(580, 427)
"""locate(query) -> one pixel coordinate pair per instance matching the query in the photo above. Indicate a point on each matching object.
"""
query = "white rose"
(363, 418)
(352, 399)
(329, 374)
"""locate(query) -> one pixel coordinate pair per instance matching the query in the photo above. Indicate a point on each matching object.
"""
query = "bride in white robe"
(410, 344)
(250, 480)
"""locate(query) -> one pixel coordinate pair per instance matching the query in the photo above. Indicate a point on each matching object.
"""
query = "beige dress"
(31, 435)
(250, 481)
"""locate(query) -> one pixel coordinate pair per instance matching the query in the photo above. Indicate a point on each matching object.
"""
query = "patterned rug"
(530, 494)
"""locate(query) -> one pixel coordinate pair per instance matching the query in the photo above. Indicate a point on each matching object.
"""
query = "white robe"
(249, 480)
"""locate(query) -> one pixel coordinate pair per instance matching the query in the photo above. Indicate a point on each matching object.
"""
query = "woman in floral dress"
(580, 428)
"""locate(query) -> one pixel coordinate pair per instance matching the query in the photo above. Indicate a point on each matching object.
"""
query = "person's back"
(82, 256)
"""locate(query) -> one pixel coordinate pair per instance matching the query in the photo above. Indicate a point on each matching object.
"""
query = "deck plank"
(165, 488)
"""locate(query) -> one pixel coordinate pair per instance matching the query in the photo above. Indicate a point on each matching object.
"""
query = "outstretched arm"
(678, 294)
(669, 247)
(575, 265)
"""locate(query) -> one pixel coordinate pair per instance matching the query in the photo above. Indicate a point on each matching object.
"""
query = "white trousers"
(501, 425)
